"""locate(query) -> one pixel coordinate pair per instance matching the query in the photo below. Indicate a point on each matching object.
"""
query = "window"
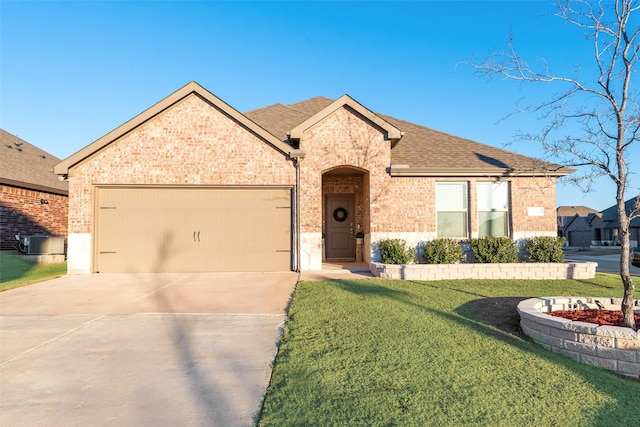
(493, 209)
(451, 209)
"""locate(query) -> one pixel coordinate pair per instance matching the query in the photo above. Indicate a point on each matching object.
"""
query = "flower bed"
(612, 347)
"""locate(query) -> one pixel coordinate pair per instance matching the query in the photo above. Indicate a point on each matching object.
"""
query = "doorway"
(339, 222)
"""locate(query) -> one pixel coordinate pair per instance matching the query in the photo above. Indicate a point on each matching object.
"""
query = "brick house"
(33, 201)
(191, 184)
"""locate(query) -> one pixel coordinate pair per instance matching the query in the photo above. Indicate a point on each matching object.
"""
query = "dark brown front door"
(340, 218)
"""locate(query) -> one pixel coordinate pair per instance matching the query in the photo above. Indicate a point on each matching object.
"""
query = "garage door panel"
(189, 229)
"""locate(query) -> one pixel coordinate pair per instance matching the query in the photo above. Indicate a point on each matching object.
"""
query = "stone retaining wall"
(611, 347)
(527, 270)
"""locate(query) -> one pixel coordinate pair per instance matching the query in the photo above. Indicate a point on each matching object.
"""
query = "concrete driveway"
(140, 350)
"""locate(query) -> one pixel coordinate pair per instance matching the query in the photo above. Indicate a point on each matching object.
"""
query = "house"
(576, 224)
(191, 184)
(583, 231)
(33, 201)
(607, 233)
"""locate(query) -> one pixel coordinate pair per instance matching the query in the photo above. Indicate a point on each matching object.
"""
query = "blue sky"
(72, 71)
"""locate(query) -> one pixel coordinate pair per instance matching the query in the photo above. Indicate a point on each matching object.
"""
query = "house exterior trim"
(63, 167)
(400, 170)
(393, 133)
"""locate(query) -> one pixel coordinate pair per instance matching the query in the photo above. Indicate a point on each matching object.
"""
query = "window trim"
(467, 204)
(507, 210)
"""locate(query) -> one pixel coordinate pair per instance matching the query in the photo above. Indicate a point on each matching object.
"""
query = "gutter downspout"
(297, 156)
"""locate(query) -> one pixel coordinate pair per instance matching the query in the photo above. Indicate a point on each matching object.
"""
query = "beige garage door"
(193, 229)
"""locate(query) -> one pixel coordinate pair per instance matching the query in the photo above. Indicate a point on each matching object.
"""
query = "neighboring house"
(583, 231)
(33, 201)
(608, 233)
(576, 223)
(191, 184)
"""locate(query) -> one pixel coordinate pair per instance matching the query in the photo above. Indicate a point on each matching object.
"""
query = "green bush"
(545, 249)
(494, 249)
(395, 251)
(442, 251)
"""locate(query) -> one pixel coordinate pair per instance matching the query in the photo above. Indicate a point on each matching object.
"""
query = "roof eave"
(63, 167)
(463, 172)
(393, 133)
(36, 187)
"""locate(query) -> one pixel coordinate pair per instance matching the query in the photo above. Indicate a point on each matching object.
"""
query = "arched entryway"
(345, 207)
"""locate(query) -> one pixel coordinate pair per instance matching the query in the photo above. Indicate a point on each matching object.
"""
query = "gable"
(192, 88)
(188, 143)
(391, 132)
(416, 150)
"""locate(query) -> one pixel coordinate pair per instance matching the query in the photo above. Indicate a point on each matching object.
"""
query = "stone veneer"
(611, 347)
(526, 271)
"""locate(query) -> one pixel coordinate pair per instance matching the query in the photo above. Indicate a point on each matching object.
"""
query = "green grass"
(449, 353)
(15, 272)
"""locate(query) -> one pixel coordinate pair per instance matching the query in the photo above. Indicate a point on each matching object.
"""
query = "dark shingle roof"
(610, 215)
(25, 165)
(280, 119)
(421, 148)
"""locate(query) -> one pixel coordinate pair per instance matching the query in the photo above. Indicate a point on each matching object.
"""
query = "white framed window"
(452, 209)
(493, 209)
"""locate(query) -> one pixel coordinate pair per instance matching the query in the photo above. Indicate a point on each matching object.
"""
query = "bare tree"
(604, 106)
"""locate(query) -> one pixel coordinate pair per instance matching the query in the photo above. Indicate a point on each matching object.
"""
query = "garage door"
(193, 229)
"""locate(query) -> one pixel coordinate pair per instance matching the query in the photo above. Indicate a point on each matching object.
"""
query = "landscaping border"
(612, 347)
(520, 270)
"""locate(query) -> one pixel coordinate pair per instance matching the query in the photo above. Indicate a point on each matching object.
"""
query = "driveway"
(143, 350)
(607, 263)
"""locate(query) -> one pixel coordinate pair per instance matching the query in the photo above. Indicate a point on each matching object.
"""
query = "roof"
(421, 151)
(25, 165)
(416, 150)
(610, 215)
(575, 210)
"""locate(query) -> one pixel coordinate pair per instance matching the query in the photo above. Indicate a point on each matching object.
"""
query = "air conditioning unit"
(44, 245)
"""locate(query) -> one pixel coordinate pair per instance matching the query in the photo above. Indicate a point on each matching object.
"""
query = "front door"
(339, 221)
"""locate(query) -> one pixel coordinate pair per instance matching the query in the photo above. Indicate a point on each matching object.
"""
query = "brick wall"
(21, 211)
(397, 206)
(191, 143)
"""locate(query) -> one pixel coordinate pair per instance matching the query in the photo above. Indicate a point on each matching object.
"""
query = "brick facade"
(30, 212)
(193, 142)
(394, 206)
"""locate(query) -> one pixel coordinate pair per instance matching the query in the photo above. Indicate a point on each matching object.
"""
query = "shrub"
(442, 251)
(395, 251)
(494, 249)
(545, 249)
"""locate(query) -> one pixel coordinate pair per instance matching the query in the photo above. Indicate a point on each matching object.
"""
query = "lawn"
(15, 272)
(378, 352)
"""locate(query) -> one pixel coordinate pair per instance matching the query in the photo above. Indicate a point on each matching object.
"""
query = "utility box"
(44, 245)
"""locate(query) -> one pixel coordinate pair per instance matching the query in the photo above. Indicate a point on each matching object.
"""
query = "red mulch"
(599, 317)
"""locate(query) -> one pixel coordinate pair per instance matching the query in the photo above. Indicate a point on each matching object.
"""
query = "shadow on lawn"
(12, 267)
(497, 317)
